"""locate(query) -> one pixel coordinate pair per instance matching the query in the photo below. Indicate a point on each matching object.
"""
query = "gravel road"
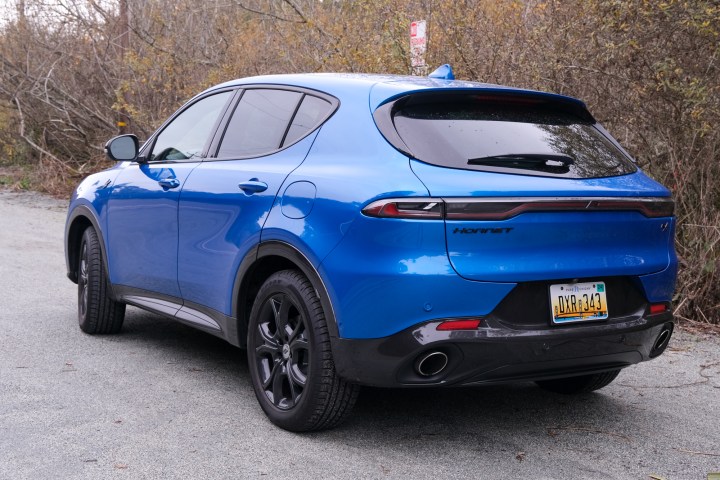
(161, 400)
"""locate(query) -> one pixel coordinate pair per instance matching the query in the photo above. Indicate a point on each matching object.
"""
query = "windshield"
(507, 134)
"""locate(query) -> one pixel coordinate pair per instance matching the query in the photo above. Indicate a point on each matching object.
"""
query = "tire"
(290, 359)
(579, 384)
(98, 313)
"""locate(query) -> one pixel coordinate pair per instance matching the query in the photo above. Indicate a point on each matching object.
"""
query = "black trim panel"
(495, 353)
(244, 283)
(189, 313)
(71, 248)
(297, 257)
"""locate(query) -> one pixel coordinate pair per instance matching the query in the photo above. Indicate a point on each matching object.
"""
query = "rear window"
(506, 134)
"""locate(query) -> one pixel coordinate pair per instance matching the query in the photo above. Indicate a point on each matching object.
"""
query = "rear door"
(226, 200)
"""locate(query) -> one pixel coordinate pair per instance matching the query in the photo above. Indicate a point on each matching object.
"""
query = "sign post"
(418, 47)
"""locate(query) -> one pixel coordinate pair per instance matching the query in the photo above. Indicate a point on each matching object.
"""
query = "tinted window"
(508, 135)
(312, 111)
(185, 137)
(259, 123)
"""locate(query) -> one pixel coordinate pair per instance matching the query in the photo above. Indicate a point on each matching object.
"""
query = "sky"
(7, 10)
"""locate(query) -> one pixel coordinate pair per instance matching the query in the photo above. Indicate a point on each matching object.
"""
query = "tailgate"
(513, 228)
(540, 245)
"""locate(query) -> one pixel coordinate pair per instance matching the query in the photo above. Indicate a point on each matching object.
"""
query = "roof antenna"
(443, 72)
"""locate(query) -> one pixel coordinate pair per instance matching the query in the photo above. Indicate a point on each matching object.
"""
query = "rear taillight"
(421, 208)
(505, 208)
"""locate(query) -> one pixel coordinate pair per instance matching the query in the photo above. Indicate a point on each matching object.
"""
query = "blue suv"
(377, 230)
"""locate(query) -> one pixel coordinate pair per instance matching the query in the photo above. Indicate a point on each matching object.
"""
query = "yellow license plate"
(578, 302)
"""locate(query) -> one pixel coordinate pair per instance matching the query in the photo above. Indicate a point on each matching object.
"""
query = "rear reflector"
(471, 324)
(658, 308)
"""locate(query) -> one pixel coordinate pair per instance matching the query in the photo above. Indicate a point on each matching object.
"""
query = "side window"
(259, 123)
(312, 111)
(186, 135)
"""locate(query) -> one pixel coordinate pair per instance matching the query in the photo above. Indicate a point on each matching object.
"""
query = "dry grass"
(647, 70)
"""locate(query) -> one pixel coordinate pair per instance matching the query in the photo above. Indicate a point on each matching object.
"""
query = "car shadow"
(506, 413)
(183, 343)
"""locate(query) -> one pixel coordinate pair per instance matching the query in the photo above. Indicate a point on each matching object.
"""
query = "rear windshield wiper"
(528, 161)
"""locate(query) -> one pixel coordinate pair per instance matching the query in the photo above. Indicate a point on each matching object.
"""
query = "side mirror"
(123, 148)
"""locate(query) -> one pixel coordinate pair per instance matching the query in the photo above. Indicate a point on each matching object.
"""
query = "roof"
(379, 88)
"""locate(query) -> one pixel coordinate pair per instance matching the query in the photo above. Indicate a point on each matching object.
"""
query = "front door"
(143, 205)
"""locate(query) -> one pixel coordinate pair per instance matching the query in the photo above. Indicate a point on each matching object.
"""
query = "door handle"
(253, 186)
(169, 183)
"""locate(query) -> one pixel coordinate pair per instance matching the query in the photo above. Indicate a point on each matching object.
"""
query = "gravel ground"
(161, 400)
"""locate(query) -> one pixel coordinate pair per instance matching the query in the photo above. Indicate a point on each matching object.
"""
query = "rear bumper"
(497, 353)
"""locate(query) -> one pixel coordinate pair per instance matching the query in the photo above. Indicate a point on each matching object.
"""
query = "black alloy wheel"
(83, 282)
(282, 351)
(290, 357)
(98, 312)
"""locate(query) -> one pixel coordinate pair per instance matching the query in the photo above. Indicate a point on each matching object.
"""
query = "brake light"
(503, 209)
(499, 208)
(656, 308)
(421, 208)
(650, 207)
(464, 324)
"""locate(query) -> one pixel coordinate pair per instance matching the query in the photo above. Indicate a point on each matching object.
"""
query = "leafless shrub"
(648, 70)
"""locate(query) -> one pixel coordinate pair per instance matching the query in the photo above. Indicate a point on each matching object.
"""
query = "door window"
(259, 123)
(185, 137)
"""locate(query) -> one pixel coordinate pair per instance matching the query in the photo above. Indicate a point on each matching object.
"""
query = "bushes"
(648, 71)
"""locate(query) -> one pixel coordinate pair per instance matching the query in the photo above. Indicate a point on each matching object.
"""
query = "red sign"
(418, 43)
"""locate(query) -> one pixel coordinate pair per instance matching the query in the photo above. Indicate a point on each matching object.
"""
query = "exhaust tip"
(661, 342)
(431, 363)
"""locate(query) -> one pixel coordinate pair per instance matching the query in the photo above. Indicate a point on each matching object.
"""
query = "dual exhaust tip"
(434, 362)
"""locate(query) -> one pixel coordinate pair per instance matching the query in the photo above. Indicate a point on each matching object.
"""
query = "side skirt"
(189, 313)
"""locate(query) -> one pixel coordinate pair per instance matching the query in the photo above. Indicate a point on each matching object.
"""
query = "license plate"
(578, 302)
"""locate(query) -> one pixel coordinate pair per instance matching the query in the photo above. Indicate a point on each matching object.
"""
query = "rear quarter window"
(310, 114)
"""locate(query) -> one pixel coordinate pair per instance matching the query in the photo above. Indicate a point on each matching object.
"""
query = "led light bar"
(504, 208)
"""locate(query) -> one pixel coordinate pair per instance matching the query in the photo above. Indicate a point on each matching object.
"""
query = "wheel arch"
(79, 220)
(257, 266)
